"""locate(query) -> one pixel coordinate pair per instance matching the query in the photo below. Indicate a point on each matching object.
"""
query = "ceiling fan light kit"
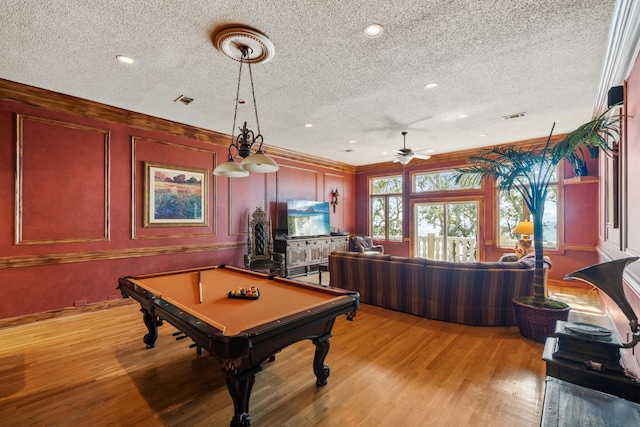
(404, 155)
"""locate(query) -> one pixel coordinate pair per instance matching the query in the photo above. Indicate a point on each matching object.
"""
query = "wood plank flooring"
(387, 369)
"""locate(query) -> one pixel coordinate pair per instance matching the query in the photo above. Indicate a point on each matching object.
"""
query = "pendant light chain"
(235, 113)
(253, 93)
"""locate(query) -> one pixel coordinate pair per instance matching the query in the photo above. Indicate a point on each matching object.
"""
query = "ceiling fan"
(404, 155)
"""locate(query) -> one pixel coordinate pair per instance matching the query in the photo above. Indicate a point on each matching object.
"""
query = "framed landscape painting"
(175, 196)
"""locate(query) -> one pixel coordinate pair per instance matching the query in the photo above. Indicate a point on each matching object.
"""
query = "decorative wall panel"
(190, 157)
(245, 195)
(62, 182)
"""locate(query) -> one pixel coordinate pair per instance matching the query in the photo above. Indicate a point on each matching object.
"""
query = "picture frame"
(175, 196)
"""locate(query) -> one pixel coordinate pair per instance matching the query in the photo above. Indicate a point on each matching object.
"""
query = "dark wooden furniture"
(611, 381)
(322, 267)
(567, 404)
(241, 333)
(260, 256)
(303, 253)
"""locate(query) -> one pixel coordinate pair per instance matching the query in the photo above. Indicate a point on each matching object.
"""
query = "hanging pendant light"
(248, 46)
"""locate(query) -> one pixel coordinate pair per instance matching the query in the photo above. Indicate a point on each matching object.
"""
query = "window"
(438, 181)
(512, 209)
(386, 208)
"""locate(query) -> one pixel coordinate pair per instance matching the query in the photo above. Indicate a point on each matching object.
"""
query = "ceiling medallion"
(230, 41)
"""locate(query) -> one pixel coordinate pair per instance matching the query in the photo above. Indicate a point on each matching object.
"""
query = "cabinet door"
(296, 254)
(339, 244)
(316, 251)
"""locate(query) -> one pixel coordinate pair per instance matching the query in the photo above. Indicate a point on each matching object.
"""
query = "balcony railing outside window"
(459, 249)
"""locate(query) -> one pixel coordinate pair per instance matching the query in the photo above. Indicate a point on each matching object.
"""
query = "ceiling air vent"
(184, 99)
(514, 116)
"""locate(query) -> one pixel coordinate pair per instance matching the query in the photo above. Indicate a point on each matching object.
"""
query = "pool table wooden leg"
(151, 322)
(319, 368)
(240, 389)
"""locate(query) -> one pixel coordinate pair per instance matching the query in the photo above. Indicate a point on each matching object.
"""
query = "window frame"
(415, 192)
(559, 184)
(470, 198)
(386, 196)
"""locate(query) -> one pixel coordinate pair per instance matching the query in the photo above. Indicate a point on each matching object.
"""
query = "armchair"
(260, 256)
(364, 244)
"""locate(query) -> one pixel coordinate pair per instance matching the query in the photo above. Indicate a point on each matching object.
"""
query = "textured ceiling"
(490, 58)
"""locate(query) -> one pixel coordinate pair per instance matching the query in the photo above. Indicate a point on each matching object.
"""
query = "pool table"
(240, 333)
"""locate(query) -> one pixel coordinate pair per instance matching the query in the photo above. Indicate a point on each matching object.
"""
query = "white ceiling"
(490, 58)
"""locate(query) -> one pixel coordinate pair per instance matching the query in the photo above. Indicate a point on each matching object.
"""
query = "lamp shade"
(404, 160)
(259, 163)
(230, 169)
(523, 227)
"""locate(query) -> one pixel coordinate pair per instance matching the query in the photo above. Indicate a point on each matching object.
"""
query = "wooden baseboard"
(69, 311)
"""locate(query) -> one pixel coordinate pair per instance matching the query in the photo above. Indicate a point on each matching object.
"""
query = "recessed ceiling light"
(431, 86)
(352, 141)
(482, 135)
(308, 125)
(125, 59)
(372, 31)
(463, 116)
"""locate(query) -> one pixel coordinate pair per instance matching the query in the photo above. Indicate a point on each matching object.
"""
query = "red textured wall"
(76, 222)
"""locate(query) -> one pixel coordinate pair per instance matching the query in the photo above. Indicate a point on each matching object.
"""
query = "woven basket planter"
(538, 323)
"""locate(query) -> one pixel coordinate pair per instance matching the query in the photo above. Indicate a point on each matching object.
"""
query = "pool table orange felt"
(279, 297)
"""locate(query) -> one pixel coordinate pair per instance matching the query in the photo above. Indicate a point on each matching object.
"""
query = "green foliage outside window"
(440, 181)
(386, 208)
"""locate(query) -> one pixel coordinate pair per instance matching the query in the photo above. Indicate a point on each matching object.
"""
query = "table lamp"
(525, 228)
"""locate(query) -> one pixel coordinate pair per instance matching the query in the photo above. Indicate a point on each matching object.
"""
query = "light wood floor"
(387, 369)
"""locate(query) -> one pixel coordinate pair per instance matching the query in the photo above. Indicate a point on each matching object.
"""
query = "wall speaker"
(615, 95)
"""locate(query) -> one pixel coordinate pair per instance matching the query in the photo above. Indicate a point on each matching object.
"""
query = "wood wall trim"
(21, 121)
(579, 247)
(72, 257)
(30, 95)
(63, 312)
(458, 156)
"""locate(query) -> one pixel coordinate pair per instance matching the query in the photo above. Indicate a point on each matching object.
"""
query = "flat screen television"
(306, 218)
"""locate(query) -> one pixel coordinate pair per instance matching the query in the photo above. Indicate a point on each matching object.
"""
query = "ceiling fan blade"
(421, 156)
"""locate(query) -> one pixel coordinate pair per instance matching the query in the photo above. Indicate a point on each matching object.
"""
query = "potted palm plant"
(529, 171)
